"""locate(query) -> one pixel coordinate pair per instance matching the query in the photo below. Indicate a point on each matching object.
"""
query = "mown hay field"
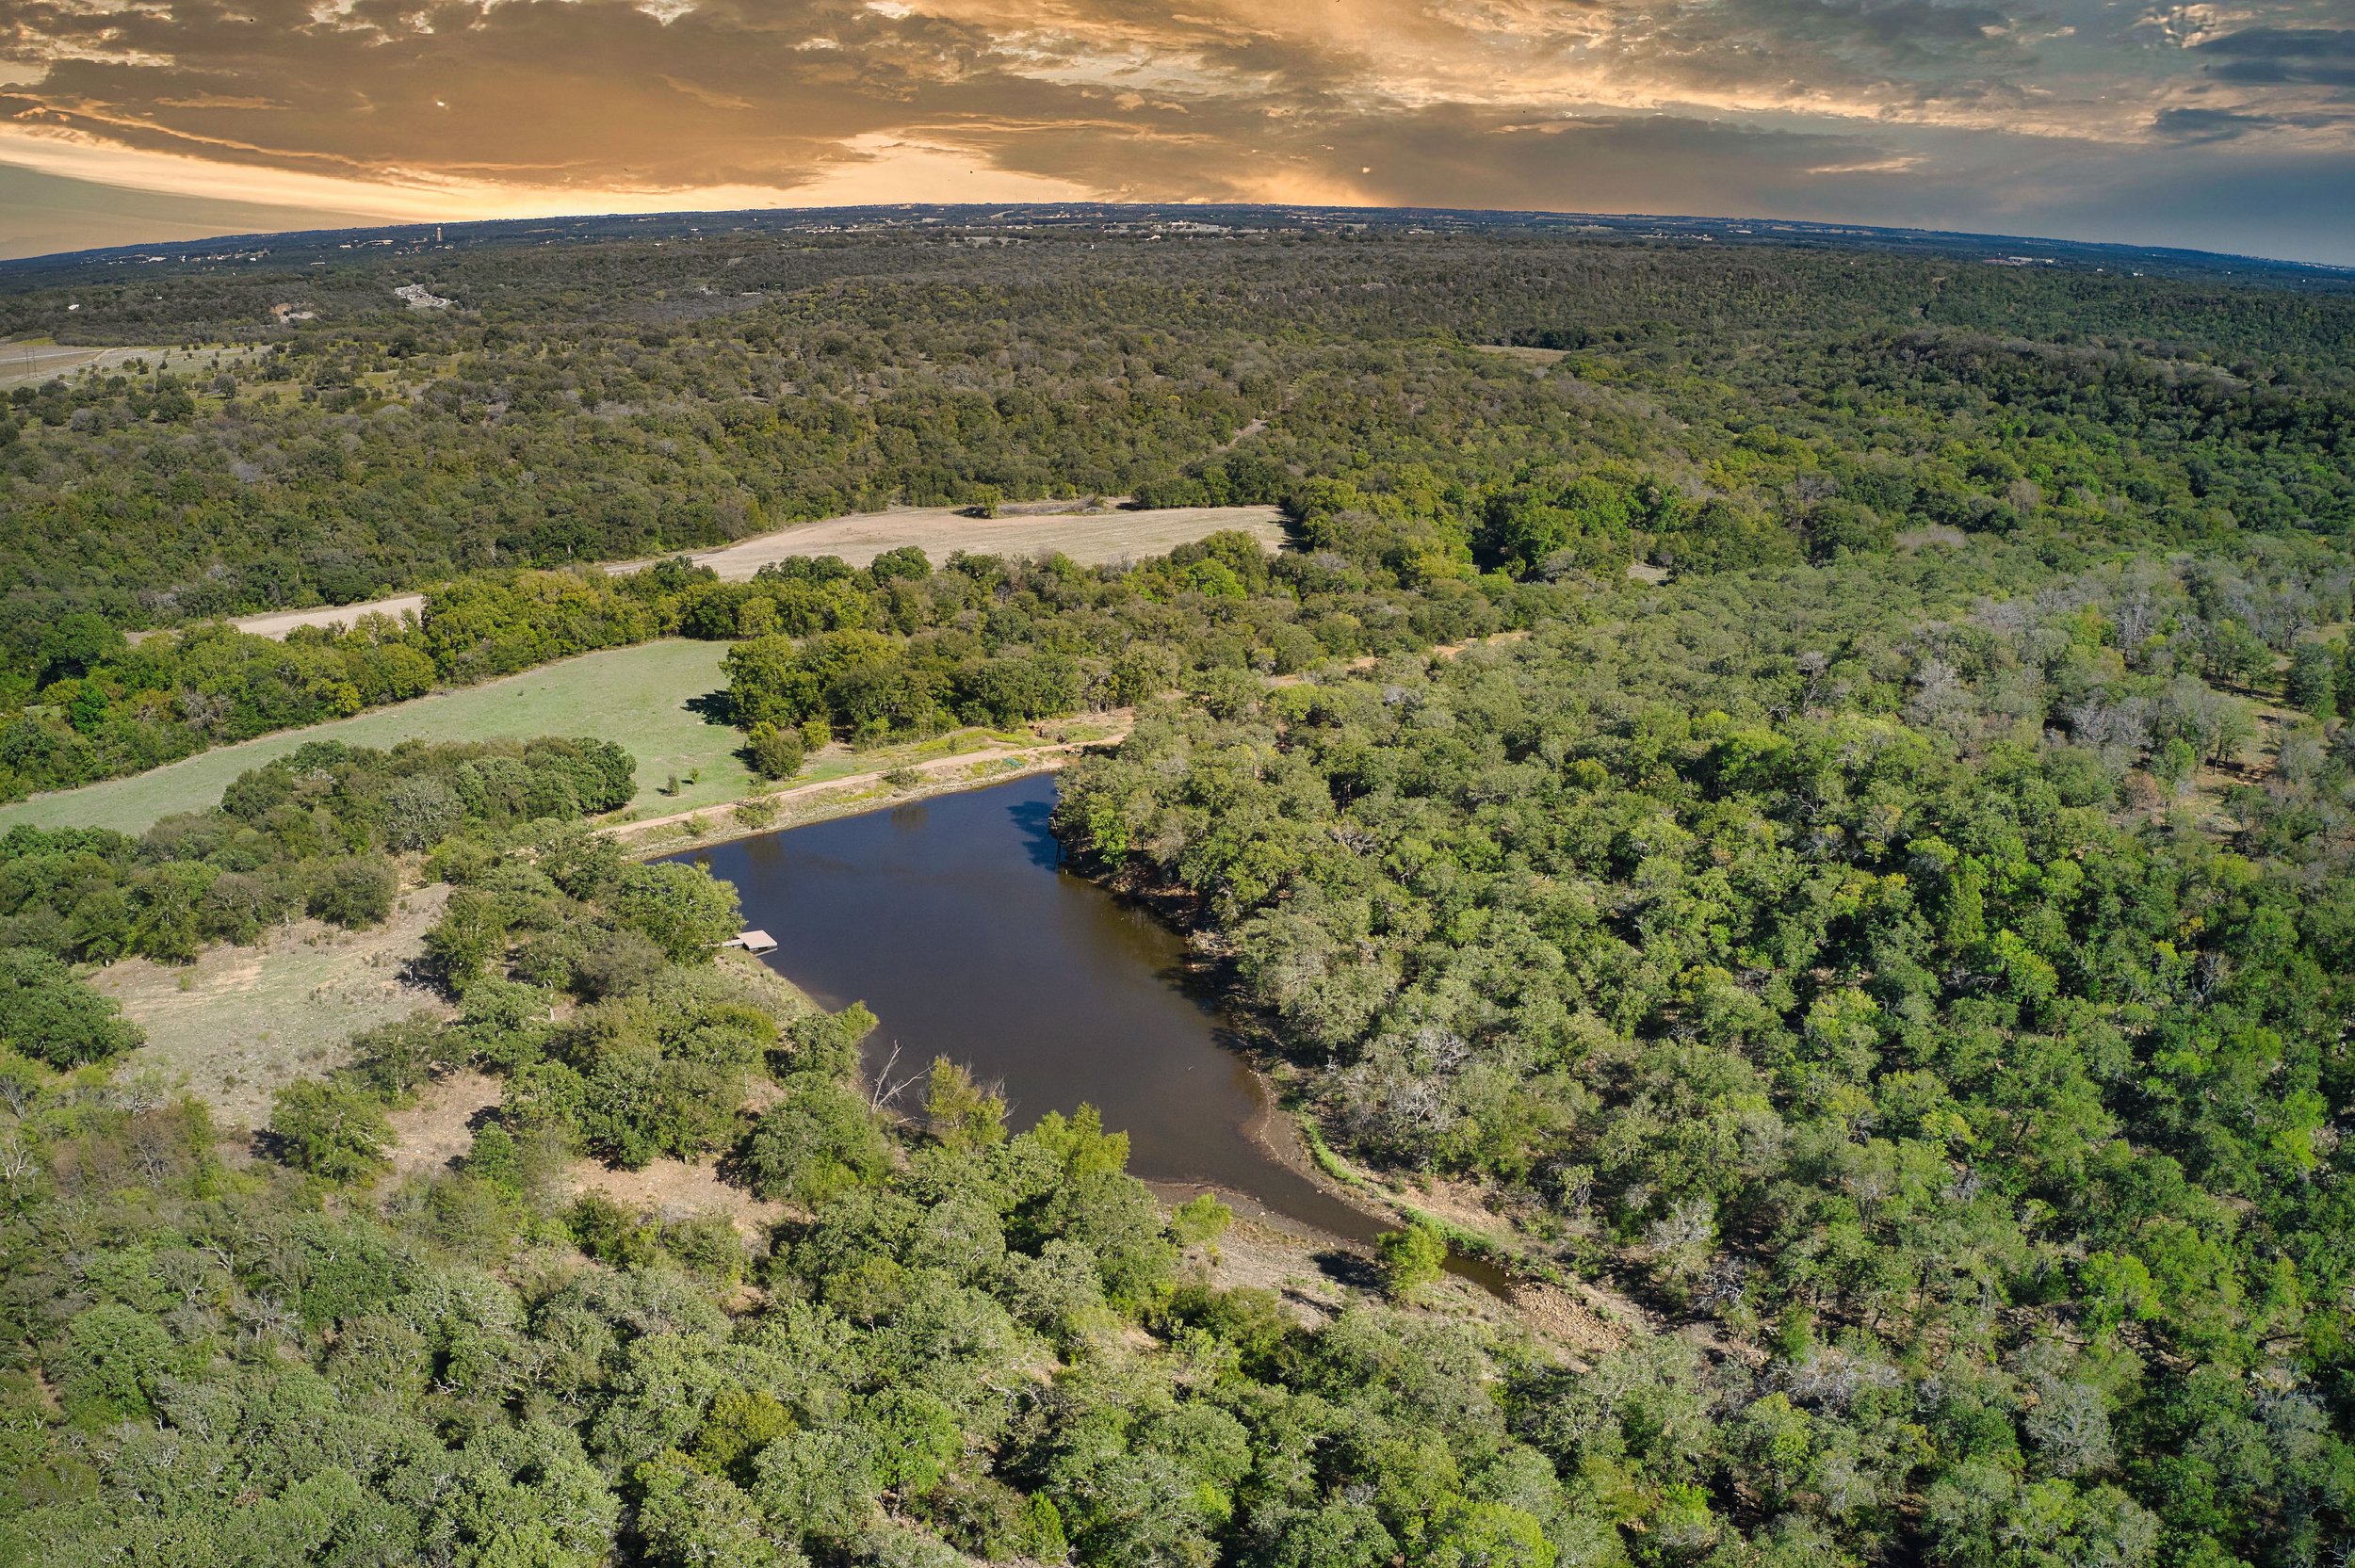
(1091, 538)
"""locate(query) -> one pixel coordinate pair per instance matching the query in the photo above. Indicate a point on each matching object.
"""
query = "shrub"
(708, 1245)
(468, 935)
(419, 812)
(1409, 1259)
(110, 1362)
(775, 751)
(959, 1113)
(611, 1234)
(637, 1104)
(616, 964)
(682, 909)
(394, 1059)
(817, 1140)
(333, 1128)
(603, 777)
(1202, 1220)
(45, 1013)
(354, 893)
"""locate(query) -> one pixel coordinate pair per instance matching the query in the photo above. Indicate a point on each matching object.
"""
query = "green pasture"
(637, 697)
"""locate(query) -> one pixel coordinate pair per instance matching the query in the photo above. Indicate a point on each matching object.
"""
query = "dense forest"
(1697, 410)
(1835, 957)
(1812, 783)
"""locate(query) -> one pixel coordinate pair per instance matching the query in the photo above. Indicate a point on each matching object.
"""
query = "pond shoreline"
(944, 888)
(802, 805)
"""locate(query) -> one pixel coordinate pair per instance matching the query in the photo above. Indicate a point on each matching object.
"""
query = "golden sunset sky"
(2226, 128)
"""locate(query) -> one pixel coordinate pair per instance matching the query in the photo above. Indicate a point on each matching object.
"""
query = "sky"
(2223, 126)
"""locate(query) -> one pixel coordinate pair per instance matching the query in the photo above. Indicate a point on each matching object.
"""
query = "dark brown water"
(951, 919)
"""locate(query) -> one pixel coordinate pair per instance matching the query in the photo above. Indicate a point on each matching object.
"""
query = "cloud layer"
(2032, 114)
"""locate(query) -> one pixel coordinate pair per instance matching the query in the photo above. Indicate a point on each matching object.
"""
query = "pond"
(952, 919)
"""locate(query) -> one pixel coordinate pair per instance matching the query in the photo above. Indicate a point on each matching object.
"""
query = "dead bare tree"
(885, 1090)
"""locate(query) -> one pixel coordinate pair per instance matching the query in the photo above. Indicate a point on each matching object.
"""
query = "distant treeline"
(627, 400)
(87, 705)
(1701, 411)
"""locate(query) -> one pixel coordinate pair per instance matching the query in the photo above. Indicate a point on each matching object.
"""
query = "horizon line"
(1500, 216)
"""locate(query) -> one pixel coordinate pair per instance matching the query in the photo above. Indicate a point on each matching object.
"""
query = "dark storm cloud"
(2220, 196)
(1457, 156)
(1597, 163)
(2283, 55)
(2192, 124)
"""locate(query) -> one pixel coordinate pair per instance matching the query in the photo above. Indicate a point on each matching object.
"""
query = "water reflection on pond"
(951, 920)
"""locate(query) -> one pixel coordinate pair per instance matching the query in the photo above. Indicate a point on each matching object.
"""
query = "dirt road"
(796, 804)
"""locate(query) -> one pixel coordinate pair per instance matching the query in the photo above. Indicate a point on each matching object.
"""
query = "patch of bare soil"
(1459, 1203)
(240, 1023)
(1558, 1315)
(432, 1134)
(674, 1190)
(1089, 538)
(1257, 1256)
(279, 622)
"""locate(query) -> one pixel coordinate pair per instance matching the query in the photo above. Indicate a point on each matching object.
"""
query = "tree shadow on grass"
(1345, 1268)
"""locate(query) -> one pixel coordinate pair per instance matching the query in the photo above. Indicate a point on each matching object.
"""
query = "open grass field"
(1091, 538)
(637, 697)
(29, 362)
(1520, 351)
(240, 1023)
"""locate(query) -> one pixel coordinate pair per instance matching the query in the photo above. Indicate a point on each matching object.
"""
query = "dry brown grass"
(25, 363)
(1561, 1316)
(672, 1190)
(240, 1023)
(1522, 351)
(1091, 538)
(435, 1132)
